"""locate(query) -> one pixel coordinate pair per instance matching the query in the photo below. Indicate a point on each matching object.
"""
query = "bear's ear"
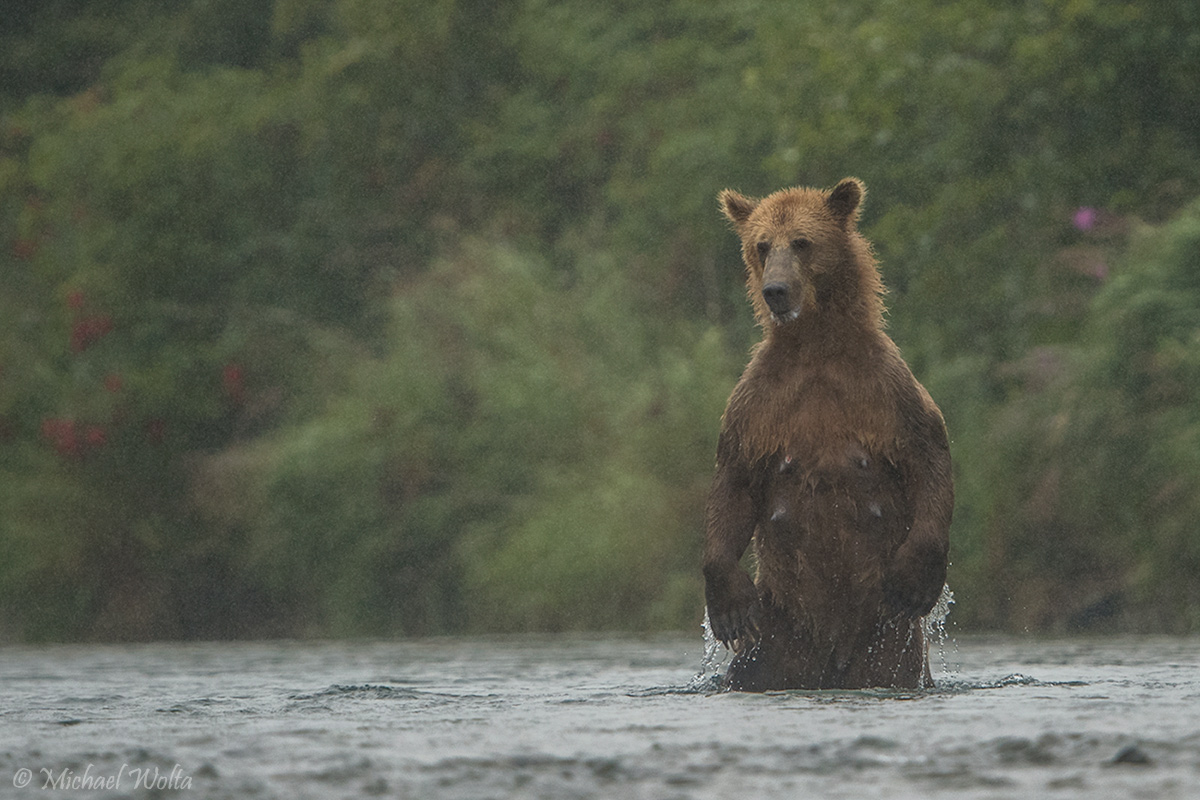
(736, 207)
(846, 197)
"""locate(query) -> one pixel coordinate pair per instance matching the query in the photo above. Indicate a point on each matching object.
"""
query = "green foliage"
(385, 316)
(1093, 469)
(172, 290)
(539, 464)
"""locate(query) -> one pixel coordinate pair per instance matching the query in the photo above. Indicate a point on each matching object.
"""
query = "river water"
(583, 717)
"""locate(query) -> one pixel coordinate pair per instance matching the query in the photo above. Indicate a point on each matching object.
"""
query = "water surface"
(579, 717)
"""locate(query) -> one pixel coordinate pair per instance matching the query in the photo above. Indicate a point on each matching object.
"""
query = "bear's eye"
(763, 249)
(800, 243)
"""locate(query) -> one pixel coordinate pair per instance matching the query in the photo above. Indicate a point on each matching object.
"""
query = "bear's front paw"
(914, 583)
(733, 608)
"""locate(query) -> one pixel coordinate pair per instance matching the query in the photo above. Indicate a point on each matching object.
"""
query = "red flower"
(75, 299)
(231, 381)
(156, 430)
(24, 249)
(61, 434)
(113, 383)
(89, 330)
(95, 436)
(50, 427)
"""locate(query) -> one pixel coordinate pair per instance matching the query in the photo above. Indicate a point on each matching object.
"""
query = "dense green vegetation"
(332, 317)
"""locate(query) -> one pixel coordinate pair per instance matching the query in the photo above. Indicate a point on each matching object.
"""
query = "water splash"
(716, 658)
(934, 624)
(713, 664)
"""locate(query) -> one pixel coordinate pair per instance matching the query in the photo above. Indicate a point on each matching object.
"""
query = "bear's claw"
(733, 610)
(914, 584)
(910, 601)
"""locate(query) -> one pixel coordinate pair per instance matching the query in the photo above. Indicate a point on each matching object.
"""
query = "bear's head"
(804, 256)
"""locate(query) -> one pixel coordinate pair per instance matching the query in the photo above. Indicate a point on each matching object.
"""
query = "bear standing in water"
(832, 459)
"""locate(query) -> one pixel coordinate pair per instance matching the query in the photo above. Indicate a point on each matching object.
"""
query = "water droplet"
(935, 625)
(713, 663)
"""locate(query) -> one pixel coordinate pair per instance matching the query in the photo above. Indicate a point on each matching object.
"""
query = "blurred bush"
(331, 317)
(1091, 516)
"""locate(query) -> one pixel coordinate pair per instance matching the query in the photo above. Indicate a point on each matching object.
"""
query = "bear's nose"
(776, 295)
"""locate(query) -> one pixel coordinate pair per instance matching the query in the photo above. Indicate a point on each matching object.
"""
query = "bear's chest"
(824, 448)
(819, 420)
(840, 507)
(841, 482)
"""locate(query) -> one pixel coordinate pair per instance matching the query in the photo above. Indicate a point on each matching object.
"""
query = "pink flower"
(1084, 218)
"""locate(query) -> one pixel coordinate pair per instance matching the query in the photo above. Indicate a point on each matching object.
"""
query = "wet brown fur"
(833, 460)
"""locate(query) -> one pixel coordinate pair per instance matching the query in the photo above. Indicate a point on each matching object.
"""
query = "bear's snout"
(776, 295)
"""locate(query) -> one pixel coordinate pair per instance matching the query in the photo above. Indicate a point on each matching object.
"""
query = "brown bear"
(832, 459)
